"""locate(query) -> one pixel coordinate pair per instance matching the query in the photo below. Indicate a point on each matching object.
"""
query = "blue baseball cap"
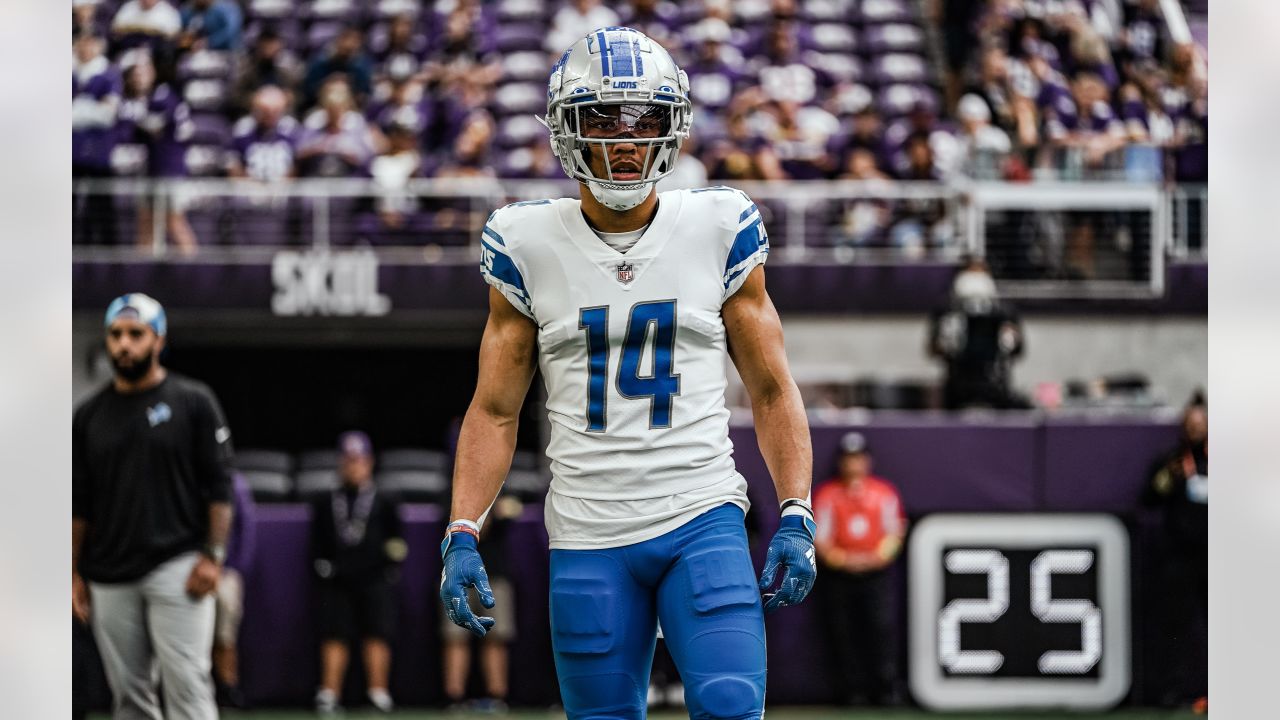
(354, 442)
(140, 307)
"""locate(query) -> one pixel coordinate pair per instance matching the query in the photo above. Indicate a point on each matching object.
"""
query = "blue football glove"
(463, 569)
(792, 549)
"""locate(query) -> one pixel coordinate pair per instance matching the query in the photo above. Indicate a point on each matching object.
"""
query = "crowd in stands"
(782, 89)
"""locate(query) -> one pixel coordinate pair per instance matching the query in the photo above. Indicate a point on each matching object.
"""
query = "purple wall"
(1011, 462)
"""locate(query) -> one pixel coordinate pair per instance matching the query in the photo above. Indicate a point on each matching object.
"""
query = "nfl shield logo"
(625, 275)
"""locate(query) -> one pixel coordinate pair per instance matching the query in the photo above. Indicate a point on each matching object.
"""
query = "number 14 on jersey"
(649, 325)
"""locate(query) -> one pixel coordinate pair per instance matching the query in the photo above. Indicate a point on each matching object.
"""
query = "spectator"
(150, 513)
(535, 161)
(575, 20)
(862, 129)
(95, 100)
(357, 546)
(860, 530)
(211, 25)
(345, 57)
(978, 337)
(268, 63)
(229, 600)
(336, 140)
(656, 18)
(494, 645)
(153, 23)
(799, 135)
(689, 171)
(861, 221)
(406, 104)
(743, 154)
(982, 146)
(156, 119)
(264, 144)
(392, 170)
(783, 73)
(1179, 487)
(919, 222)
(402, 51)
(88, 17)
(715, 74)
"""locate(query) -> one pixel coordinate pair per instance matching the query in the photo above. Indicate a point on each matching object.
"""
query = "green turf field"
(781, 713)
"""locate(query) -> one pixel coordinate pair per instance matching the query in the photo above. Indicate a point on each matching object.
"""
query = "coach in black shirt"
(150, 514)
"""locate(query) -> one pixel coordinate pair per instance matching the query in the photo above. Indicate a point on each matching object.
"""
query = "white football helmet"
(612, 87)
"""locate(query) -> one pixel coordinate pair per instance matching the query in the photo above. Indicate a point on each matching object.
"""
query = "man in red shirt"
(860, 531)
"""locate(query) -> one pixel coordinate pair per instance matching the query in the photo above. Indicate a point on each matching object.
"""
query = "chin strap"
(620, 200)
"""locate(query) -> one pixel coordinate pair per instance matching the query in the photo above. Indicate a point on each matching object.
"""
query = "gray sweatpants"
(151, 630)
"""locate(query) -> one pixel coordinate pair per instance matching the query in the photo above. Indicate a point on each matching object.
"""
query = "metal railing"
(1041, 238)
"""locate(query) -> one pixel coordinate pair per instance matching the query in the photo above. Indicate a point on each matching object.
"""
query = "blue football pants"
(698, 581)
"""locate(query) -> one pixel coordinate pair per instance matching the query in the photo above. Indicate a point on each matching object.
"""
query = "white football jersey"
(633, 353)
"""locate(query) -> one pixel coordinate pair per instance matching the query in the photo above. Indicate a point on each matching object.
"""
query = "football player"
(629, 300)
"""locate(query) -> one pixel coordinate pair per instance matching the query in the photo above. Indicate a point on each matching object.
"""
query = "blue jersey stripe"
(505, 270)
(497, 238)
(729, 280)
(747, 213)
(748, 241)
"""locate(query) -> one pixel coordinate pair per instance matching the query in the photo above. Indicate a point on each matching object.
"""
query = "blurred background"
(989, 233)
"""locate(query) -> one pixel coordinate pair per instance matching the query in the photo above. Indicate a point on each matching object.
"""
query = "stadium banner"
(362, 282)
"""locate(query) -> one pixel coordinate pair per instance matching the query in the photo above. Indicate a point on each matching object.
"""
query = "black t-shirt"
(1180, 487)
(354, 543)
(145, 467)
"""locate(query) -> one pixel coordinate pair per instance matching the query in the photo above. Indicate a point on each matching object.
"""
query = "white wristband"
(465, 523)
(797, 506)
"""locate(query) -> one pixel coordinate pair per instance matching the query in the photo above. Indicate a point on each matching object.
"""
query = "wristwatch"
(216, 553)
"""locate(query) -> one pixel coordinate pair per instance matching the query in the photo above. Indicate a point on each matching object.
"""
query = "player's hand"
(791, 549)
(203, 578)
(79, 598)
(464, 569)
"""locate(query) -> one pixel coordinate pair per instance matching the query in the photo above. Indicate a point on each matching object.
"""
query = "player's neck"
(153, 378)
(613, 221)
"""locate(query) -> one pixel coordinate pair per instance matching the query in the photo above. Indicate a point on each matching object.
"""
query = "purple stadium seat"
(321, 33)
(271, 8)
(827, 10)
(204, 160)
(514, 38)
(206, 94)
(518, 131)
(129, 160)
(289, 30)
(393, 8)
(841, 66)
(883, 11)
(205, 64)
(210, 129)
(521, 11)
(524, 66)
(335, 10)
(896, 100)
(832, 37)
(899, 68)
(893, 37)
(513, 98)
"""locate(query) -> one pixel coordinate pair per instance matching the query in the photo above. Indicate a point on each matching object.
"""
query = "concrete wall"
(1173, 352)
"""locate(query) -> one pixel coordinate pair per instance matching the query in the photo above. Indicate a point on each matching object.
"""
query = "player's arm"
(755, 344)
(488, 437)
(485, 447)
